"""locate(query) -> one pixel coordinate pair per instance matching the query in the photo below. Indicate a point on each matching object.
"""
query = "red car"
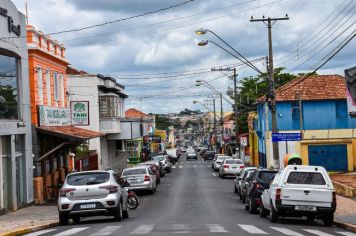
(154, 169)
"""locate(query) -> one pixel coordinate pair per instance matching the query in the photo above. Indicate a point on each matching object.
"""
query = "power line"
(118, 20)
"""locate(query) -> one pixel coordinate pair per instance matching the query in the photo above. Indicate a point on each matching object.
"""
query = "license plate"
(305, 208)
(87, 206)
(234, 167)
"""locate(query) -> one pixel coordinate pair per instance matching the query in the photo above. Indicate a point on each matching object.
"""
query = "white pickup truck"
(299, 191)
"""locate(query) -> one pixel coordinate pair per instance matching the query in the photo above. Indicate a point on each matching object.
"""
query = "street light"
(200, 82)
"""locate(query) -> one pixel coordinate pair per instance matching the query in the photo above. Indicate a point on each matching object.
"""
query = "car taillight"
(278, 194)
(226, 166)
(111, 188)
(147, 178)
(334, 197)
(64, 191)
(242, 166)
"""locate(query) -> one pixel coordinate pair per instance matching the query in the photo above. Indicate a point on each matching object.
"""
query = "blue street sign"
(279, 137)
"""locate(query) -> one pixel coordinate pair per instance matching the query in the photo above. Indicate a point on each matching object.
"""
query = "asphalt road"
(192, 200)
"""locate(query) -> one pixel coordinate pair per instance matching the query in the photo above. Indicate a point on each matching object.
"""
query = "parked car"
(219, 161)
(166, 164)
(208, 155)
(240, 179)
(244, 183)
(299, 191)
(231, 167)
(159, 165)
(260, 180)
(215, 158)
(154, 169)
(191, 154)
(90, 193)
(140, 178)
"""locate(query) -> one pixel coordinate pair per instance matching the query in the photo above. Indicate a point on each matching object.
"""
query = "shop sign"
(80, 112)
(280, 137)
(53, 116)
(155, 139)
(350, 77)
(10, 22)
(243, 141)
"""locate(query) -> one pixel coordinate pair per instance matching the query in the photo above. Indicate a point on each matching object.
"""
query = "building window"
(62, 89)
(8, 88)
(341, 109)
(39, 85)
(56, 86)
(48, 87)
(109, 106)
(295, 111)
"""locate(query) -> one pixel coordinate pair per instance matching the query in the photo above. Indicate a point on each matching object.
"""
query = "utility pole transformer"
(270, 22)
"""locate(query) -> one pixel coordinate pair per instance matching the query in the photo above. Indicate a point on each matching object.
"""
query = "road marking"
(180, 166)
(346, 233)
(173, 167)
(252, 229)
(41, 232)
(71, 231)
(215, 228)
(194, 166)
(143, 229)
(214, 174)
(180, 227)
(106, 231)
(317, 232)
(286, 231)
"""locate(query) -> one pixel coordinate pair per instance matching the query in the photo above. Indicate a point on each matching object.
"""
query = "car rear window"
(266, 176)
(306, 178)
(88, 178)
(138, 171)
(232, 161)
(158, 158)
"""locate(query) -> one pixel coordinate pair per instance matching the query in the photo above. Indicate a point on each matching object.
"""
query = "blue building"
(328, 137)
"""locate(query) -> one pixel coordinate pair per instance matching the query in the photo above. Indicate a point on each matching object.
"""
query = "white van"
(300, 190)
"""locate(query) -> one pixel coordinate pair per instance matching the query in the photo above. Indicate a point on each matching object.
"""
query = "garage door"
(331, 157)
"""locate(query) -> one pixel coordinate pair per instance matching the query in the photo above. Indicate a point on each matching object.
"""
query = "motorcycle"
(132, 199)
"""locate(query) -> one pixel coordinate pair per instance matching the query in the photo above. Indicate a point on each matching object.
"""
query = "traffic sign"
(279, 137)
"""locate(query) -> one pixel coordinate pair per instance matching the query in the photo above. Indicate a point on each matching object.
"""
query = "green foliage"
(162, 122)
(8, 102)
(190, 112)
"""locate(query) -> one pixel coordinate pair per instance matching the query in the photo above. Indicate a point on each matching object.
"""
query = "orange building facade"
(47, 72)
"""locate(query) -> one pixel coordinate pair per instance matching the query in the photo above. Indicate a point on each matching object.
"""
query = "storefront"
(16, 188)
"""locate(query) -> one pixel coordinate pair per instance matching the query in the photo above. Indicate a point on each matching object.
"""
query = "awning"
(70, 133)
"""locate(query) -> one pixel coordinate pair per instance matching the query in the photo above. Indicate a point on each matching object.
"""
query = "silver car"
(232, 167)
(219, 161)
(241, 177)
(90, 193)
(167, 165)
(140, 178)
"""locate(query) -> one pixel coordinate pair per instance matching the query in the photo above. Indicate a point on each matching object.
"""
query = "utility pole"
(235, 98)
(270, 22)
(214, 120)
(222, 125)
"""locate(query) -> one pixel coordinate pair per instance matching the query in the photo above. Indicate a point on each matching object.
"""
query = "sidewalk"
(346, 212)
(28, 219)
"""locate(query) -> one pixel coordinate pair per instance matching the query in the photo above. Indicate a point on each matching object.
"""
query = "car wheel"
(243, 199)
(118, 212)
(236, 191)
(76, 219)
(328, 219)
(252, 207)
(63, 218)
(169, 170)
(240, 196)
(263, 212)
(310, 219)
(273, 215)
(125, 214)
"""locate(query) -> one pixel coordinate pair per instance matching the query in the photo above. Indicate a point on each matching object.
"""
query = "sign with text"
(53, 116)
(243, 141)
(80, 113)
(280, 137)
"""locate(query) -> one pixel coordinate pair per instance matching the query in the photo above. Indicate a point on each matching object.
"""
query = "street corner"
(29, 229)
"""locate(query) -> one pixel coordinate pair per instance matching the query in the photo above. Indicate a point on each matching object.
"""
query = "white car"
(231, 167)
(91, 193)
(219, 160)
(299, 191)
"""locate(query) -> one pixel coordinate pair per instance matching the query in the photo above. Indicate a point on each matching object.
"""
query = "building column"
(13, 176)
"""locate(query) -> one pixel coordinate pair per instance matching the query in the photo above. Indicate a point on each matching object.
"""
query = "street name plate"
(279, 137)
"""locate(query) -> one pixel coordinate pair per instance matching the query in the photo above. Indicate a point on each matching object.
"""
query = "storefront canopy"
(71, 133)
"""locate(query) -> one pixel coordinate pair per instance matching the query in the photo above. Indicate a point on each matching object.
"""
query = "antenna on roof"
(26, 13)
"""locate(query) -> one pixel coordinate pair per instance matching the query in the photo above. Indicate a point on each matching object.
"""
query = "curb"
(31, 229)
(350, 227)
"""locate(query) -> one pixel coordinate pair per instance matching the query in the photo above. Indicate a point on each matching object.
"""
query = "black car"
(259, 182)
(208, 155)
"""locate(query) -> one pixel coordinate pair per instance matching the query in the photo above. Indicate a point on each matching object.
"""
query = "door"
(331, 157)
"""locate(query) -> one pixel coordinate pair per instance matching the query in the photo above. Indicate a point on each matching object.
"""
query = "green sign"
(80, 112)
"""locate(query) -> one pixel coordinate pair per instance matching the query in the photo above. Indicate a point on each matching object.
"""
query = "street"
(192, 200)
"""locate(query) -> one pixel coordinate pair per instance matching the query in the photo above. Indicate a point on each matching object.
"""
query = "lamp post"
(200, 82)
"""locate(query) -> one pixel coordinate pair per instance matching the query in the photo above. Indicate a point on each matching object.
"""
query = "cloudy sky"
(157, 58)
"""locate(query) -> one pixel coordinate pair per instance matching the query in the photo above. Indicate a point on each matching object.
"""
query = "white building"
(16, 174)
(106, 100)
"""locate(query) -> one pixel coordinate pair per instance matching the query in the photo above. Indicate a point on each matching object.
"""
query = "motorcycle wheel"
(132, 202)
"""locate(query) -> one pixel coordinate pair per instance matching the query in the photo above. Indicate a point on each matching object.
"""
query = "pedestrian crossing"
(150, 229)
(191, 164)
